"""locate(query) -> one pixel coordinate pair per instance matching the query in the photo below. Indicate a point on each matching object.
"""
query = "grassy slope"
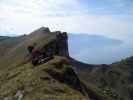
(36, 82)
(115, 79)
(8, 43)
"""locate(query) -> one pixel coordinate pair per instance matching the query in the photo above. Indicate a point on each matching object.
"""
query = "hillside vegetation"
(116, 79)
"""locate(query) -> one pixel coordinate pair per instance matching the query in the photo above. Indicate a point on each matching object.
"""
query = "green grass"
(35, 81)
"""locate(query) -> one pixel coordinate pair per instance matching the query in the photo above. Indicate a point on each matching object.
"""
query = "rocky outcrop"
(41, 30)
(57, 46)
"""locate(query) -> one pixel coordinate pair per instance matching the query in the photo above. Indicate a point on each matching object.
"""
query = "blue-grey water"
(96, 49)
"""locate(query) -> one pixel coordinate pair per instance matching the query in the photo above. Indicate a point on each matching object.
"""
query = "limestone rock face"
(62, 44)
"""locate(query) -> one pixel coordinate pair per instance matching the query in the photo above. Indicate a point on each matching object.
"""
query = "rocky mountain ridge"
(20, 80)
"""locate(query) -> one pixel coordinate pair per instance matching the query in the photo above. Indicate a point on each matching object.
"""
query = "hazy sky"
(112, 18)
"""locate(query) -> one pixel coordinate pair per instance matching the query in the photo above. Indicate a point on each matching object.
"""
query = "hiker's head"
(30, 48)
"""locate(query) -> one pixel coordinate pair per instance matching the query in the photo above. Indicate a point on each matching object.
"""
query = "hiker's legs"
(35, 61)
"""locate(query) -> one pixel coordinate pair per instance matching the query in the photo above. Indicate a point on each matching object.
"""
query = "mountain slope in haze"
(6, 43)
(20, 80)
(3, 38)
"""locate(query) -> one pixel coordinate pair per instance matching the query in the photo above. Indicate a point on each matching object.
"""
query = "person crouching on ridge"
(35, 54)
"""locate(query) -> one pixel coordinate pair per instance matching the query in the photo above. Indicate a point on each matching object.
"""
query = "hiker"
(35, 54)
(38, 55)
